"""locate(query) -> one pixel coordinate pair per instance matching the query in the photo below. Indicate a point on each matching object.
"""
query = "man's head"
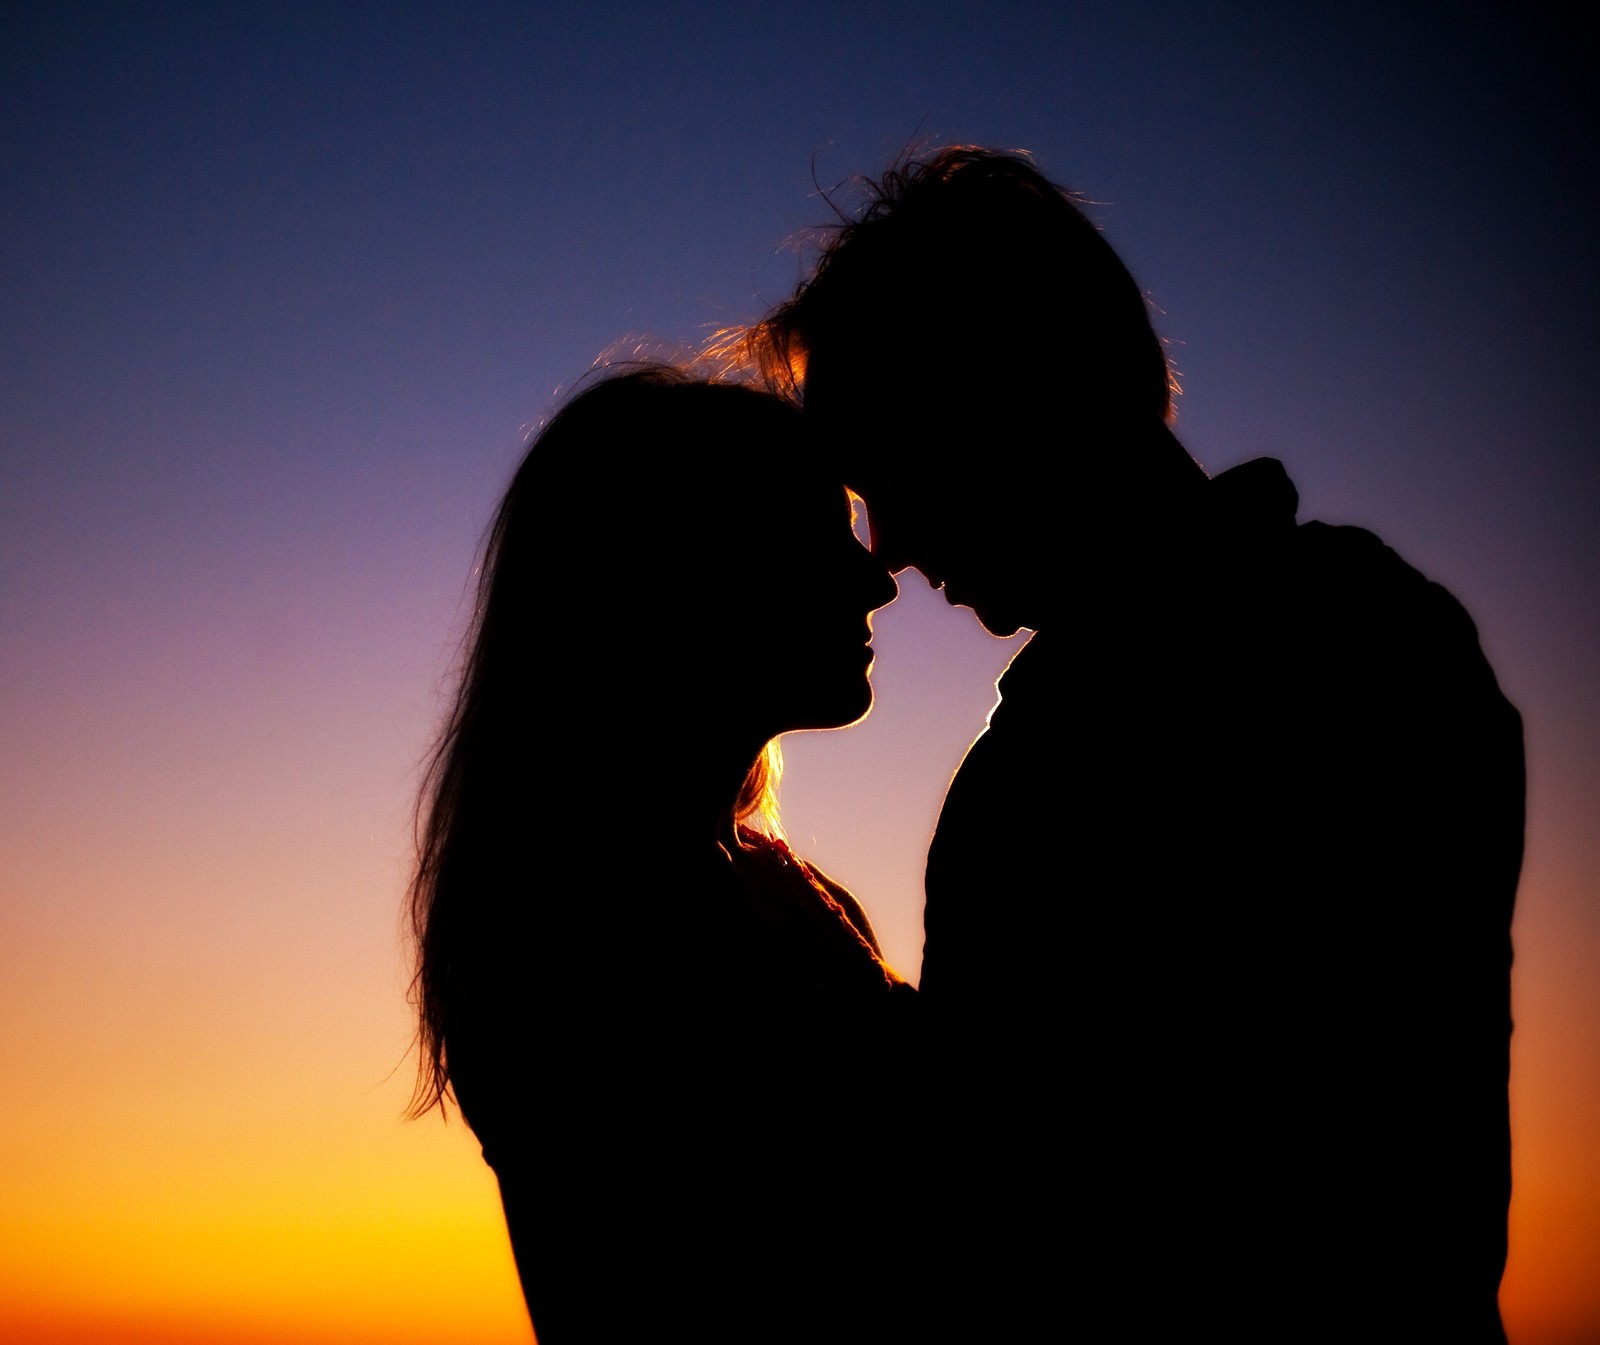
(960, 345)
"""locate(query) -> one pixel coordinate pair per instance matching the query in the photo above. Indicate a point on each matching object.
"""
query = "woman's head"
(671, 563)
(682, 537)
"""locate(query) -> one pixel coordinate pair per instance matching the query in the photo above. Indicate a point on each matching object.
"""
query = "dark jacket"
(1218, 946)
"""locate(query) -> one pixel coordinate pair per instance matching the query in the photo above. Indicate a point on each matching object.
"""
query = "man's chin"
(998, 610)
(994, 619)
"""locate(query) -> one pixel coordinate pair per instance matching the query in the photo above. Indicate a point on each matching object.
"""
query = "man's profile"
(1251, 793)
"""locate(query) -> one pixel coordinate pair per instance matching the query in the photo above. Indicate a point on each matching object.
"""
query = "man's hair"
(979, 243)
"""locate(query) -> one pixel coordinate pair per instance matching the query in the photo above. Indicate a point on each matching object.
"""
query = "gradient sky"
(284, 288)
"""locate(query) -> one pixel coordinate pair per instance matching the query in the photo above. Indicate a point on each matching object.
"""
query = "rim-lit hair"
(653, 443)
(978, 241)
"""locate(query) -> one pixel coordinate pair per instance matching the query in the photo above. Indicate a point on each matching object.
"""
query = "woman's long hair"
(640, 442)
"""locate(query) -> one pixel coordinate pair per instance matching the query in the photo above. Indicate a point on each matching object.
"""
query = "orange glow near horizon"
(352, 1233)
(298, 1222)
(167, 1191)
(1551, 1292)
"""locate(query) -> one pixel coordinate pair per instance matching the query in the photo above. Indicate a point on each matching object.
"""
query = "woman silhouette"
(663, 1026)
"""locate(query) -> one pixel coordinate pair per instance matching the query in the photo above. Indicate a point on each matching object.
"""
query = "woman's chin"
(838, 713)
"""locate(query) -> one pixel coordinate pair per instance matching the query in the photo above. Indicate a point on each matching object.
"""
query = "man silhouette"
(1218, 906)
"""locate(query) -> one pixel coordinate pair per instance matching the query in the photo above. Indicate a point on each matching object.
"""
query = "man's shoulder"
(1358, 588)
(1331, 585)
(1352, 557)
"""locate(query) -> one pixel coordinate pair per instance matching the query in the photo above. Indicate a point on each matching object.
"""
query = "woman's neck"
(698, 793)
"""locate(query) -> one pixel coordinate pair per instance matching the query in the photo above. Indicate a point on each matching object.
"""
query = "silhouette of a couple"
(1213, 1028)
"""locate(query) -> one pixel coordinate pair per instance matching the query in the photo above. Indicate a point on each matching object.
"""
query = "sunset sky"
(286, 286)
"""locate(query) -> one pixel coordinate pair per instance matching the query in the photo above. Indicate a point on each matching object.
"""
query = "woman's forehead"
(759, 504)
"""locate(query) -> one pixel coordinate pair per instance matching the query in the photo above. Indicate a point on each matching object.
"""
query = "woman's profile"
(664, 1028)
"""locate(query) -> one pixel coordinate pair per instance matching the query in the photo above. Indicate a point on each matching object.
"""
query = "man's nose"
(884, 588)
